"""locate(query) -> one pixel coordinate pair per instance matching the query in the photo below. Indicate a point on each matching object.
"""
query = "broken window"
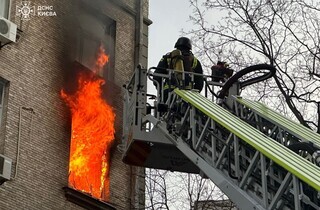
(96, 30)
(94, 38)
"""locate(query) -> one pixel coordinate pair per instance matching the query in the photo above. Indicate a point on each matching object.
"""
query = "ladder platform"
(145, 149)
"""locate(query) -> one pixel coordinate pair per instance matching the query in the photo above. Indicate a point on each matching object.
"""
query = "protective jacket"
(190, 64)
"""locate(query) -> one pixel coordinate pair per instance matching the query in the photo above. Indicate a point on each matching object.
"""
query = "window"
(4, 8)
(96, 29)
(3, 104)
(3, 88)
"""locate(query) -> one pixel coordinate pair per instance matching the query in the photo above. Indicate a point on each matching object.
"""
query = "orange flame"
(101, 60)
(92, 134)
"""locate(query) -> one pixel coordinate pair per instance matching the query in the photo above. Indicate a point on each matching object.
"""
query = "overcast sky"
(169, 18)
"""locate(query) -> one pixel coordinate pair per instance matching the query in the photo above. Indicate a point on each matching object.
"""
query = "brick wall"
(36, 67)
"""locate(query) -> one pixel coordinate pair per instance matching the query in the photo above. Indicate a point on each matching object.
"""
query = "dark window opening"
(95, 30)
(4, 87)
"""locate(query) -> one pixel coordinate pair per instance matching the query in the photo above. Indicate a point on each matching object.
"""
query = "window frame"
(107, 38)
(2, 95)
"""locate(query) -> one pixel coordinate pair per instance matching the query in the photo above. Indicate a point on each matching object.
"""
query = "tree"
(285, 34)
(166, 190)
(156, 189)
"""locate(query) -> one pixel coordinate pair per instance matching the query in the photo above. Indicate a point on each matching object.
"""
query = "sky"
(169, 17)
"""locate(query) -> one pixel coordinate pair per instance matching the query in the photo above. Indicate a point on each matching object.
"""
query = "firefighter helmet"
(183, 43)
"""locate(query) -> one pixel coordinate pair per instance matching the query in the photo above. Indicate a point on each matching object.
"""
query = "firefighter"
(181, 60)
(221, 72)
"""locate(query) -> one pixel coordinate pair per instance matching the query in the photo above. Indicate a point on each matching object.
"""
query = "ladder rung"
(281, 155)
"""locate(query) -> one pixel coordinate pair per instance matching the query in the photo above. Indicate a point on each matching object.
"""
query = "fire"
(101, 60)
(92, 133)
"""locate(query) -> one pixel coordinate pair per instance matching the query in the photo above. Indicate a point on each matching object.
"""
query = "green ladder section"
(294, 128)
(293, 163)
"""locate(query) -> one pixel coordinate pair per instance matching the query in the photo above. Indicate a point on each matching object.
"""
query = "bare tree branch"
(285, 34)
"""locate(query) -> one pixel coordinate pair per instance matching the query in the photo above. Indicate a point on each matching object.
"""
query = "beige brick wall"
(35, 68)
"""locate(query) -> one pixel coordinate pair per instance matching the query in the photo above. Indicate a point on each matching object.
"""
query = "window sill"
(85, 200)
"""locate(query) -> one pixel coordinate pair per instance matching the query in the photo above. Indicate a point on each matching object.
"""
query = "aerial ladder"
(256, 156)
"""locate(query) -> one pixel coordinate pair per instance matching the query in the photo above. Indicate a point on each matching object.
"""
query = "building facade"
(53, 38)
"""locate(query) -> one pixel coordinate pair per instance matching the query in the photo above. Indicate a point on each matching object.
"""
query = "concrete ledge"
(85, 200)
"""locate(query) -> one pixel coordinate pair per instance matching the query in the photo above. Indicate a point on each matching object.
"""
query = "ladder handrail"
(295, 164)
(295, 128)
